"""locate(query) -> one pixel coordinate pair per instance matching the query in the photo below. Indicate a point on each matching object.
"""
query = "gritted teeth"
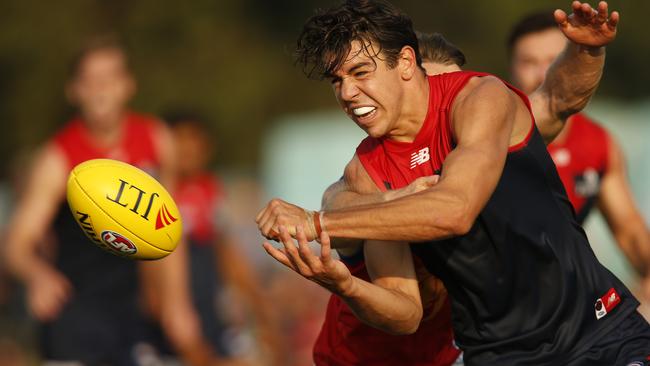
(362, 110)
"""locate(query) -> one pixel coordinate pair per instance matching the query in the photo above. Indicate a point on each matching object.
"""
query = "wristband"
(317, 216)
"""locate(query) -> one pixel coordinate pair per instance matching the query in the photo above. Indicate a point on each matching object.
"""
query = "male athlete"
(87, 301)
(497, 228)
(589, 161)
(358, 343)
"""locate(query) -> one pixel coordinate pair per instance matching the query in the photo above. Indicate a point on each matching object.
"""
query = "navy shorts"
(626, 345)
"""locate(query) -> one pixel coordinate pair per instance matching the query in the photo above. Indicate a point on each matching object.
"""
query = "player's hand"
(418, 185)
(588, 26)
(326, 271)
(48, 290)
(281, 213)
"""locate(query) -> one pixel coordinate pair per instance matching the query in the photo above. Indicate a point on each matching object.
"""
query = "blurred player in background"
(589, 160)
(224, 287)
(89, 303)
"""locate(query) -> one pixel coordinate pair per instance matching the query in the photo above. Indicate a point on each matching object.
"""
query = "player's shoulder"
(144, 121)
(481, 87)
(368, 145)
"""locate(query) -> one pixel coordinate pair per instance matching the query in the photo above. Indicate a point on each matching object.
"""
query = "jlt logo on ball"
(135, 204)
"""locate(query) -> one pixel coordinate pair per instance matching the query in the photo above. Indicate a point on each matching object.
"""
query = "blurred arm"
(47, 288)
(616, 202)
(238, 273)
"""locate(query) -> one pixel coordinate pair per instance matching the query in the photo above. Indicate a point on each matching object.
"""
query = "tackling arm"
(574, 76)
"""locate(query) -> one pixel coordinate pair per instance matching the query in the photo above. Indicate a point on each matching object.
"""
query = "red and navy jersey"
(581, 159)
(95, 275)
(199, 200)
(346, 341)
(524, 284)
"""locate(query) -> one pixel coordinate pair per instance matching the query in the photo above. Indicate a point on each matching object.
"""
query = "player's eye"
(361, 73)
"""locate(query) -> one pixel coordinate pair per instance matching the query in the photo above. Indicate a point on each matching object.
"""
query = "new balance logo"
(164, 218)
(420, 157)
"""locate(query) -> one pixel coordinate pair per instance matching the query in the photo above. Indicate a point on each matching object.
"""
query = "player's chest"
(420, 160)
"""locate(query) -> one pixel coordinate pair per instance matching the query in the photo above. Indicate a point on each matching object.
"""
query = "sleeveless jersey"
(581, 160)
(346, 341)
(93, 272)
(524, 284)
(199, 199)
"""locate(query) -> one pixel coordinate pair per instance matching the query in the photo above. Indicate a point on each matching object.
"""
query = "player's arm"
(482, 118)
(47, 288)
(574, 76)
(391, 304)
(356, 188)
(616, 202)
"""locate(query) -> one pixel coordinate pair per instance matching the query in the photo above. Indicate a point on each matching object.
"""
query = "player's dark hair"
(531, 23)
(95, 44)
(326, 37)
(435, 48)
(185, 116)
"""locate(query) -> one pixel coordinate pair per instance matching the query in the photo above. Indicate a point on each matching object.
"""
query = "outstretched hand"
(326, 271)
(587, 26)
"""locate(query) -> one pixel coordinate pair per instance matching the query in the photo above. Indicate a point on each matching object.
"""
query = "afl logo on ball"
(118, 242)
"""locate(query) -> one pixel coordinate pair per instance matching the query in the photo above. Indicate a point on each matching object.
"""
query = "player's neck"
(107, 130)
(414, 111)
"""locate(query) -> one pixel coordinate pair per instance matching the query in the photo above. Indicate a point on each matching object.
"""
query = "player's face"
(532, 55)
(102, 86)
(192, 144)
(369, 92)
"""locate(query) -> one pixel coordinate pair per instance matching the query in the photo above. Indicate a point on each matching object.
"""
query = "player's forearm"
(21, 257)
(429, 215)
(572, 80)
(388, 310)
(339, 196)
(635, 243)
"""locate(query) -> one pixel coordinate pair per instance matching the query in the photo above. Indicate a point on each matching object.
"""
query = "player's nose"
(348, 89)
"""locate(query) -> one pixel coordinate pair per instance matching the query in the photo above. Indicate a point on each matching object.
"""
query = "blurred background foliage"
(232, 60)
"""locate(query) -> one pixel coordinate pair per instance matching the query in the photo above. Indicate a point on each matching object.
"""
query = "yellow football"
(123, 210)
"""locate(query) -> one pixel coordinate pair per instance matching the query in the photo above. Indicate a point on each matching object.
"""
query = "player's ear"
(407, 62)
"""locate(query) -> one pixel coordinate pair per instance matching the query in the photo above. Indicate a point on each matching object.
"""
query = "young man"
(497, 228)
(590, 162)
(88, 302)
(359, 343)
